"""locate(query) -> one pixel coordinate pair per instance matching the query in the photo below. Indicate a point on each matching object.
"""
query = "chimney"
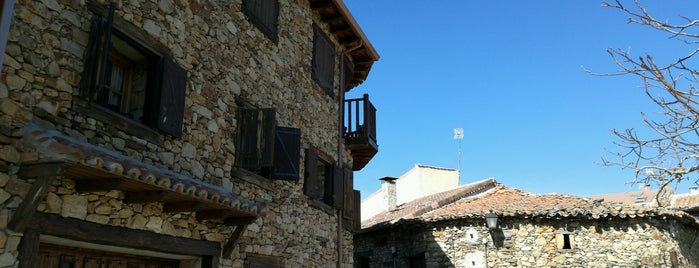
(694, 189)
(644, 186)
(388, 186)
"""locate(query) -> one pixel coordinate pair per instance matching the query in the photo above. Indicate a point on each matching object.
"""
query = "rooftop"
(476, 199)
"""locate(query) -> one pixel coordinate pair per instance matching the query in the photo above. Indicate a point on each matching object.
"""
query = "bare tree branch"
(671, 153)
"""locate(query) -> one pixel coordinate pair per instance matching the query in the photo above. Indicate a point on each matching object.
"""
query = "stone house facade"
(181, 133)
(449, 229)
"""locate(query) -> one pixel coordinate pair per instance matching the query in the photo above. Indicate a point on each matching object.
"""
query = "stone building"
(449, 229)
(177, 133)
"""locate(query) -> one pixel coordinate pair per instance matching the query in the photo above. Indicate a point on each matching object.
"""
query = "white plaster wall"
(424, 180)
(374, 204)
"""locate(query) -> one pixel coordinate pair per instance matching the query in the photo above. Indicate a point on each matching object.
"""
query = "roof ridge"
(475, 188)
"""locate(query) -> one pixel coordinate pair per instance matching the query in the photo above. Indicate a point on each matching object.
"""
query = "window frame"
(275, 149)
(163, 108)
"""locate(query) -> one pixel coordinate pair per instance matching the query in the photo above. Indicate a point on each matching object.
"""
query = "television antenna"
(459, 135)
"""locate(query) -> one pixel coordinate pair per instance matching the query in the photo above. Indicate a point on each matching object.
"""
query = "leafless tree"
(671, 154)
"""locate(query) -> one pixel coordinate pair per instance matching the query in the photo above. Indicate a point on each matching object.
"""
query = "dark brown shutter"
(247, 139)
(311, 185)
(256, 140)
(323, 60)
(357, 215)
(287, 150)
(348, 193)
(338, 188)
(172, 94)
(91, 56)
(348, 73)
(264, 14)
(266, 137)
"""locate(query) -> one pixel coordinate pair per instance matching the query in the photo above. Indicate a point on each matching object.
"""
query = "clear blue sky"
(509, 73)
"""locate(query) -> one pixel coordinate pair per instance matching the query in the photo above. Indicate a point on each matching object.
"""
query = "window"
(323, 60)
(564, 239)
(264, 14)
(266, 149)
(129, 79)
(321, 179)
(417, 261)
(362, 262)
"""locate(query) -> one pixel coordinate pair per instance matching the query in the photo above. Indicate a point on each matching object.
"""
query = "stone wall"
(610, 242)
(227, 59)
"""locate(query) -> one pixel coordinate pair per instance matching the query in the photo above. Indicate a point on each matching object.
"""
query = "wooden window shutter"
(266, 137)
(348, 73)
(357, 215)
(338, 188)
(312, 186)
(89, 75)
(287, 150)
(323, 60)
(172, 94)
(348, 193)
(256, 139)
(264, 14)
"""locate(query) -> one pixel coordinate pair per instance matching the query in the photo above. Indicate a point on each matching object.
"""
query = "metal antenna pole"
(459, 135)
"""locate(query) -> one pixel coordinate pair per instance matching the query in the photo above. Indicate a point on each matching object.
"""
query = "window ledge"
(115, 120)
(252, 178)
(322, 206)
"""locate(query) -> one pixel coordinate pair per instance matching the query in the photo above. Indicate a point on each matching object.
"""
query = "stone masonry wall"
(227, 59)
(637, 242)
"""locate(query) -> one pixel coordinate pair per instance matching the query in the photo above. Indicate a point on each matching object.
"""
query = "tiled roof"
(644, 197)
(510, 202)
(427, 203)
(85, 161)
(685, 201)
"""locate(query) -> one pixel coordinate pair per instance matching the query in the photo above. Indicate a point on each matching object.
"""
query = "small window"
(320, 178)
(564, 240)
(266, 149)
(323, 60)
(131, 80)
(362, 262)
(264, 14)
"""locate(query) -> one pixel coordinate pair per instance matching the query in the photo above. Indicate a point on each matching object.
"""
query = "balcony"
(360, 130)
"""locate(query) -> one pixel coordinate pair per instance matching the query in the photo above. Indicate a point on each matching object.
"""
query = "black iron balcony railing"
(360, 130)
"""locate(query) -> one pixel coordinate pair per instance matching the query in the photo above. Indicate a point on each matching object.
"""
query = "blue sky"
(508, 73)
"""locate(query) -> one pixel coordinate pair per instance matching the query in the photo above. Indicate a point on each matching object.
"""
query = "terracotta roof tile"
(427, 203)
(84, 158)
(645, 197)
(510, 202)
(685, 201)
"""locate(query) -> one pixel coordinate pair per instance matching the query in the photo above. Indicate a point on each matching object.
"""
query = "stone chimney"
(694, 189)
(388, 186)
